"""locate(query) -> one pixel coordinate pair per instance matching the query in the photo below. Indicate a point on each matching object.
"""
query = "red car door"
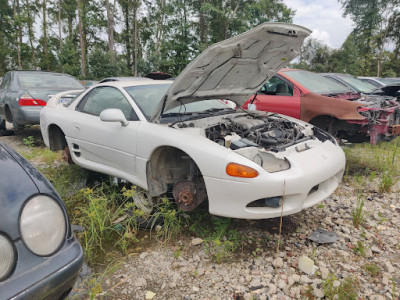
(279, 96)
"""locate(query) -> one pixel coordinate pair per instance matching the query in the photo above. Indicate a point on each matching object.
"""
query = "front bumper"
(43, 277)
(313, 176)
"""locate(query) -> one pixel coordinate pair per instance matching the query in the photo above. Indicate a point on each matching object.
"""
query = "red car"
(331, 106)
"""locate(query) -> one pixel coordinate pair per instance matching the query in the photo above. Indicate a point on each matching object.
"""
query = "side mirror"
(113, 115)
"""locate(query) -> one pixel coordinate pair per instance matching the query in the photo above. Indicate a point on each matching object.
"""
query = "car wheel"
(67, 156)
(11, 120)
(143, 200)
(3, 129)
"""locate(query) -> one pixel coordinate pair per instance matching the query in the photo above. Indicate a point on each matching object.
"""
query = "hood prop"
(162, 108)
(254, 98)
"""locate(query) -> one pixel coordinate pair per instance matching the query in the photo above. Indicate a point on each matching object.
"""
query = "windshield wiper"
(174, 114)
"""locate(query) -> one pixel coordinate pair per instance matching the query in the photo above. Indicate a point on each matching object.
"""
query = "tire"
(3, 129)
(2, 124)
(67, 156)
(10, 119)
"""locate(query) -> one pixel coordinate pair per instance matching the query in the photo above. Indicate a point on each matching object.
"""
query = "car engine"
(271, 132)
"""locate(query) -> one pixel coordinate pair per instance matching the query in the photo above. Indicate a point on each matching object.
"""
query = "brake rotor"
(184, 193)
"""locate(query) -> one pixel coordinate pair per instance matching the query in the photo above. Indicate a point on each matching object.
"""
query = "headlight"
(7, 258)
(266, 160)
(43, 225)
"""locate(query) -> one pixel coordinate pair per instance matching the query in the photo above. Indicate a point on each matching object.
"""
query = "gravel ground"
(159, 273)
(370, 255)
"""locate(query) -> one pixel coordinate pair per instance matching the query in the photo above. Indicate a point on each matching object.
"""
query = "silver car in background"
(24, 93)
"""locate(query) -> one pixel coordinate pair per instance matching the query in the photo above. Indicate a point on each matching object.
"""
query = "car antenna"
(29, 94)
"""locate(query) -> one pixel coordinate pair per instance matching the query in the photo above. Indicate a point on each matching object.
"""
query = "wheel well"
(57, 139)
(8, 114)
(322, 120)
(168, 165)
(326, 122)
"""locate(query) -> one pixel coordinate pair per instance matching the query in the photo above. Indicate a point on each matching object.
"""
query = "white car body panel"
(314, 165)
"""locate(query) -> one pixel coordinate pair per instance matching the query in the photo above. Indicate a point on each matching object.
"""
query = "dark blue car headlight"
(7, 257)
(43, 225)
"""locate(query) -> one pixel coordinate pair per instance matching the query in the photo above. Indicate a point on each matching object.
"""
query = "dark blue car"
(40, 258)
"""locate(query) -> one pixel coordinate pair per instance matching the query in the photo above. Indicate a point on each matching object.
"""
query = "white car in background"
(178, 136)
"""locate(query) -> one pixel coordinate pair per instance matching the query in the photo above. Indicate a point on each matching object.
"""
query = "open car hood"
(235, 68)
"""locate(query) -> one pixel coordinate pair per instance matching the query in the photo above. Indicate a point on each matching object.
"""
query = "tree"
(6, 35)
(110, 9)
(82, 38)
(375, 25)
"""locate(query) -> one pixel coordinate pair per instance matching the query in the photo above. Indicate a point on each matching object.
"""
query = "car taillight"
(26, 100)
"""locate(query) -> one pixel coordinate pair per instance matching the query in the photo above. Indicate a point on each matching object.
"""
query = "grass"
(107, 213)
(359, 249)
(102, 212)
(372, 269)
(374, 162)
(29, 141)
(347, 289)
(221, 239)
(358, 214)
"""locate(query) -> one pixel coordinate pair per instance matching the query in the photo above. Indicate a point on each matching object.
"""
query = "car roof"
(110, 79)
(368, 77)
(128, 83)
(36, 71)
(336, 74)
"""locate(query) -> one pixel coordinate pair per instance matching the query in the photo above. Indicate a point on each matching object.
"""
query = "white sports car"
(178, 136)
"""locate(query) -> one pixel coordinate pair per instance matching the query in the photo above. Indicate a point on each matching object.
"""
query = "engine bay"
(241, 130)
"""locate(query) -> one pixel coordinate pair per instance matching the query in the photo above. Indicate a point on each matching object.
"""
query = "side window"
(102, 98)
(276, 86)
(5, 84)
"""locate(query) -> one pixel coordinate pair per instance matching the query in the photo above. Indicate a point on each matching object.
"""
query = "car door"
(107, 146)
(280, 96)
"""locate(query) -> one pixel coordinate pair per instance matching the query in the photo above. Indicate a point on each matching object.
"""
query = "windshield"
(48, 81)
(362, 86)
(147, 97)
(390, 80)
(317, 83)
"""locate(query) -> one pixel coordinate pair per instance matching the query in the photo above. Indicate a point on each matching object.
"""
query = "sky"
(324, 18)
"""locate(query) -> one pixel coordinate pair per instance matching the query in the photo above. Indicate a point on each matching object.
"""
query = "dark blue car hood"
(19, 181)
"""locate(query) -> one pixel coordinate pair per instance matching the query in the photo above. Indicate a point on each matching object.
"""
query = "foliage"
(358, 213)
(372, 269)
(376, 161)
(220, 238)
(147, 35)
(365, 51)
(100, 68)
(101, 211)
(360, 249)
(343, 290)
(29, 141)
